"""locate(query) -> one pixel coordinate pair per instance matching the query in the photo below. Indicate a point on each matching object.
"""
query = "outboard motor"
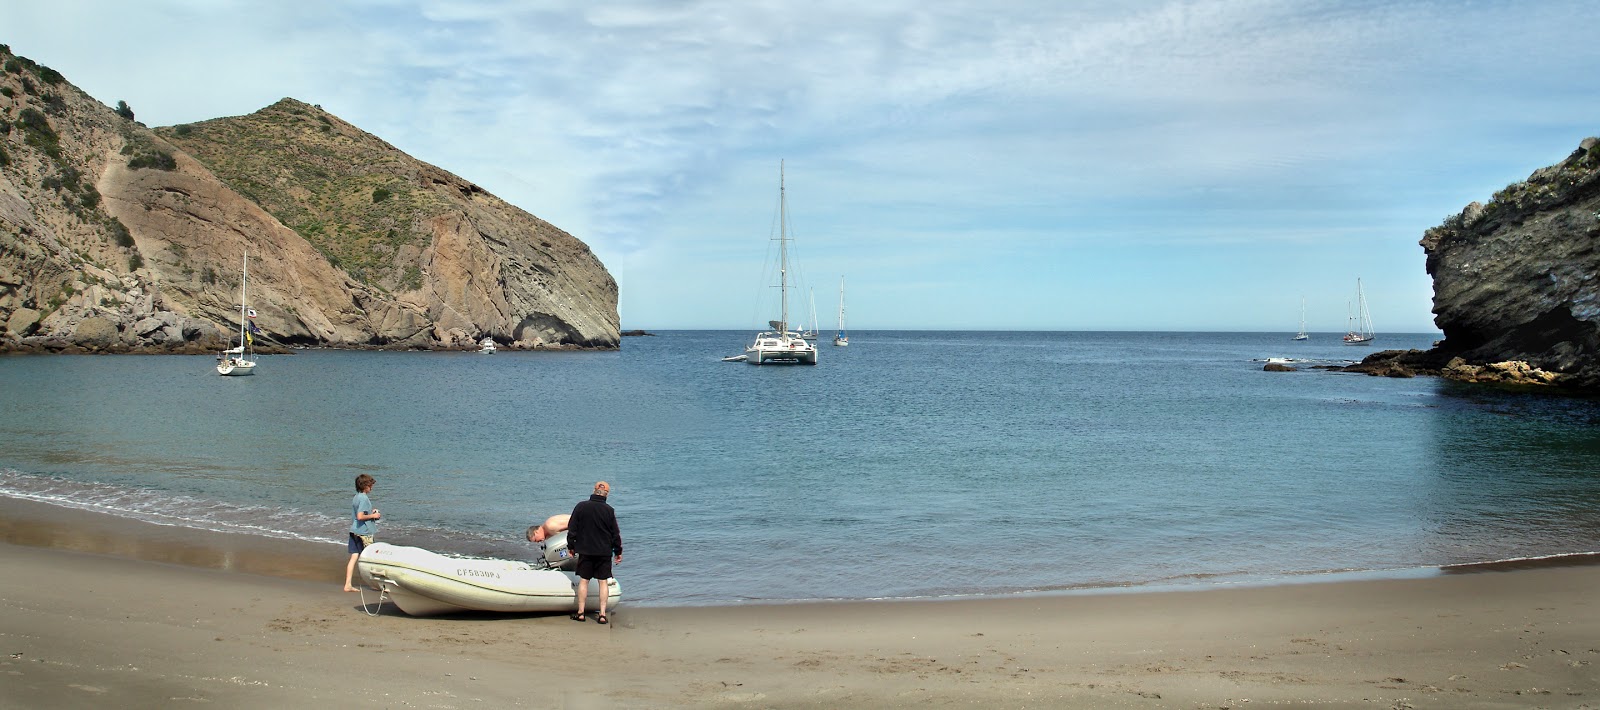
(556, 555)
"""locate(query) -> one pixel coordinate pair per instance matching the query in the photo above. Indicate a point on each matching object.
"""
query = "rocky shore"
(1515, 284)
(115, 237)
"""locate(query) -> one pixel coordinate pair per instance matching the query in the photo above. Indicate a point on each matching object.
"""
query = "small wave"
(168, 509)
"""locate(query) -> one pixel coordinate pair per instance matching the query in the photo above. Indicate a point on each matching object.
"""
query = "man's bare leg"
(583, 596)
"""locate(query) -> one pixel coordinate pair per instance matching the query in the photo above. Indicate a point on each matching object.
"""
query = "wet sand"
(99, 611)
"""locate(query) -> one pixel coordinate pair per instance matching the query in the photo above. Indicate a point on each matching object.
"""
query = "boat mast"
(1366, 316)
(841, 307)
(244, 309)
(783, 253)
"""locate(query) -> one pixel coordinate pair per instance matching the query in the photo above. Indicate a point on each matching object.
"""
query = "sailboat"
(1302, 334)
(1360, 327)
(781, 345)
(240, 360)
(840, 339)
(811, 331)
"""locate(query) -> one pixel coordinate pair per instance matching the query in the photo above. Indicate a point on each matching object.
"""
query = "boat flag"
(254, 329)
(250, 312)
(249, 339)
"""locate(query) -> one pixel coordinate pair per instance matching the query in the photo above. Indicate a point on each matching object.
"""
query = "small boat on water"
(240, 360)
(1302, 334)
(487, 347)
(424, 583)
(781, 345)
(1360, 327)
(839, 338)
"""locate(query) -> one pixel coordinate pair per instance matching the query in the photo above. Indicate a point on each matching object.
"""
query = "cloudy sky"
(965, 164)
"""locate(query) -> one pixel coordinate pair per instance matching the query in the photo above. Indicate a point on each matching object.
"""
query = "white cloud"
(652, 130)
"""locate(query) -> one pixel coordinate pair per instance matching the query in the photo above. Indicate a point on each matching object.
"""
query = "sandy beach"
(101, 611)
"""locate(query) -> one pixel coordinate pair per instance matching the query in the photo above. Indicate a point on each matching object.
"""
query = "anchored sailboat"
(839, 338)
(1360, 328)
(1302, 334)
(240, 360)
(781, 345)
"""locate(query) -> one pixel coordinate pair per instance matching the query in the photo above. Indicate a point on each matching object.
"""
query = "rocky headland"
(118, 238)
(1516, 285)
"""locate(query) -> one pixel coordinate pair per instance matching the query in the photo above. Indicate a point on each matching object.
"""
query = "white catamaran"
(781, 345)
(240, 360)
(840, 339)
(1360, 327)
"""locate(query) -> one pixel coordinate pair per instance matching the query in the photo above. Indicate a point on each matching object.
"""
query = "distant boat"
(839, 338)
(1360, 321)
(781, 345)
(487, 347)
(240, 360)
(811, 332)
(1302, 334)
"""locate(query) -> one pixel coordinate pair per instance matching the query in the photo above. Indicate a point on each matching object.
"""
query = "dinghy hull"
(424, 583)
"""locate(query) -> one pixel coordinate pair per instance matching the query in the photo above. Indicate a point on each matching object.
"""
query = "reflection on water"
(1514, 474)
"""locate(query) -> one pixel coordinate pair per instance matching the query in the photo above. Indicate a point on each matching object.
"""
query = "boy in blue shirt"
(363, 528)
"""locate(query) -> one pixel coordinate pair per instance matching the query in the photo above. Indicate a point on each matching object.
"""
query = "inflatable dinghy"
(424, 583)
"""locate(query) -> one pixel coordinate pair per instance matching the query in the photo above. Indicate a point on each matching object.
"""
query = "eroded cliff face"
(113, 238)
(1518, 279)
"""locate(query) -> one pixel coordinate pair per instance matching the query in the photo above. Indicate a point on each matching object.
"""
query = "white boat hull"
(788, 356)
(786, 348)
(236, 368)
(424, 583)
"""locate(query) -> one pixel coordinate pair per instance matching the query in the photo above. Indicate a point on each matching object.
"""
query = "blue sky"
(964, 164)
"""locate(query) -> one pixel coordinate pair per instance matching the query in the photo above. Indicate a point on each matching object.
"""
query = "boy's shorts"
(358, 543)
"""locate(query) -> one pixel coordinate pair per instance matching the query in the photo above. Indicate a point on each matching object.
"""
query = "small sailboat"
(1360, 321)
(1302, 334)
(240, 360)
(811, 332)
(839, 338)
(781, 346)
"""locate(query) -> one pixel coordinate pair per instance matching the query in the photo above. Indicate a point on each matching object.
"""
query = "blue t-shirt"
(362, 504)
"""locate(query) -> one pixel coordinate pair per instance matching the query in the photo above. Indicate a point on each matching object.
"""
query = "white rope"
(382, 592)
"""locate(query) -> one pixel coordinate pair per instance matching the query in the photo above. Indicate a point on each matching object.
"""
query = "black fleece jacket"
(593, 528)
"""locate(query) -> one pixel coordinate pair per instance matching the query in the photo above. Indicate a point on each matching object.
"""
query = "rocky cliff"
(1516, 281)
(116, 237)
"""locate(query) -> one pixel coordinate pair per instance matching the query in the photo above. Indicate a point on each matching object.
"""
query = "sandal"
(577, 617)
(602, 619)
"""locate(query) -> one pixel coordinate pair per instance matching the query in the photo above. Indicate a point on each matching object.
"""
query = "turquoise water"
(908, 464)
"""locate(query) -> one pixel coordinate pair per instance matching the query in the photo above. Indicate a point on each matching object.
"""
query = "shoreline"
(100, 608)
(44, 524)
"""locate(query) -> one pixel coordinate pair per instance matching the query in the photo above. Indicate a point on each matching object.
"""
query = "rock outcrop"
(114, 237)
(1516, 281)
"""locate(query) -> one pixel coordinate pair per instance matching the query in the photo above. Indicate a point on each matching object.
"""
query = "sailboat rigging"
(1360, 327)
(1302, 334)
(839, 338)
(240, 360)
(781, 345)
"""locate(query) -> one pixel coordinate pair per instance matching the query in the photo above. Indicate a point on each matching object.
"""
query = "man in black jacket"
(593, 536)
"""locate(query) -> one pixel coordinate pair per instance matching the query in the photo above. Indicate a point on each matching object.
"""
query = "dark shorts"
(594, 566)
(356, 544)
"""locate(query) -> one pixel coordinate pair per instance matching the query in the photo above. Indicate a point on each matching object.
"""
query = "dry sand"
(104, 612)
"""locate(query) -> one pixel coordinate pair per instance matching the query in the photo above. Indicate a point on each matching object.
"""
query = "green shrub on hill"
(38, 133)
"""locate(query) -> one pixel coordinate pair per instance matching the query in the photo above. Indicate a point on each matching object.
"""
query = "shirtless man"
(555, 524)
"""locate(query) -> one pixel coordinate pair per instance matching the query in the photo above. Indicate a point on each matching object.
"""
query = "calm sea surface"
(909, 464)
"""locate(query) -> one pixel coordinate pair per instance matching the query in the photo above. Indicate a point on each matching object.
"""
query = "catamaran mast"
(783, 253)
